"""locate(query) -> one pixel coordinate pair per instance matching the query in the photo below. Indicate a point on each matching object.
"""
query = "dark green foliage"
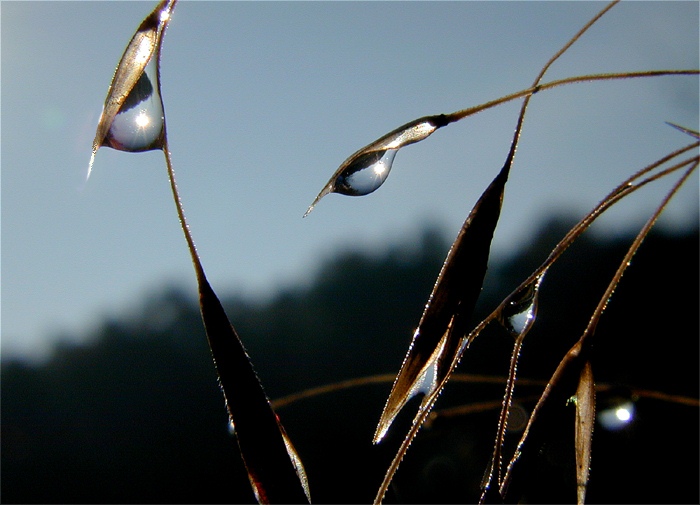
(137, 416)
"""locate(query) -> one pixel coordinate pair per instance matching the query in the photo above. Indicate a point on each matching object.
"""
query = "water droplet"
(139, 124)
(367, 169)
(519, 310)
(365, 174)
(425, 383)
(132, 118)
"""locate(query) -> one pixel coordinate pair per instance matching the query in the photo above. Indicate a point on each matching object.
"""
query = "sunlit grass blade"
(274, 467)
(133, 120)
(444, 322)
(562, 382)
(135, 91)
(627, 187)
(450, 348)
(585, 421)
(368, 168)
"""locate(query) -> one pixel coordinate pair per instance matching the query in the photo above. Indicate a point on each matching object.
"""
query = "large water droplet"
(132, 118)
(367, 169)
(365, 174)
(139, 124)
(519, 311)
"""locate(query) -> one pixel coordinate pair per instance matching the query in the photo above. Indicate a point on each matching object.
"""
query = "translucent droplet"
(367, 169)
(425, 384)
(519, 311)
(365, 174)
(139, 124)
(132, 116)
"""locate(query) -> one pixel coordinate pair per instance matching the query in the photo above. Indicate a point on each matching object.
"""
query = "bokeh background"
(137, 417)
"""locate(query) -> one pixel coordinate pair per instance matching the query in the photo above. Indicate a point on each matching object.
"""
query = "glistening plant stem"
(461, 114)
(616, 195)
(575, 352)
(196, 262)
(274, 469)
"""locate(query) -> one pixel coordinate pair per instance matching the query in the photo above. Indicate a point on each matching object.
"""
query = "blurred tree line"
(136, 416)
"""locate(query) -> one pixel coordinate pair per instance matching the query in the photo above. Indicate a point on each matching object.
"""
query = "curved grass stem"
(461, 114)
(585, 340)
(196, 262)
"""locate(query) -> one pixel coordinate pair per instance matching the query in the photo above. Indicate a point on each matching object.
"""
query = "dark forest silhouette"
(136, 416)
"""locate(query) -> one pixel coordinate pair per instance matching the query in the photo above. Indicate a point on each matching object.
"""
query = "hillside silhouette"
(136, 415)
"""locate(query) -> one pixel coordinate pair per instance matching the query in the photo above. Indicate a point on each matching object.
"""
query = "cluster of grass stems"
(445, 330)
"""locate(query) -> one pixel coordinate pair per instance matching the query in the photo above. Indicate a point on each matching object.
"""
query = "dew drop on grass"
(139, 124)
(367, 169)
(519, 311)
(427, 381)
(365, 174)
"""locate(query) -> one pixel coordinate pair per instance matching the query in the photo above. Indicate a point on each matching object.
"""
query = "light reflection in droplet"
(519, 313)
(366, 174)
(142, 119)
(231, 427)
(426, 382)
(517, 418)
(617, 416)
(140, 122)
(367, 169)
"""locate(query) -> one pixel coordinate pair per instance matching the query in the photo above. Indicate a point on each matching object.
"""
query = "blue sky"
(265, 99)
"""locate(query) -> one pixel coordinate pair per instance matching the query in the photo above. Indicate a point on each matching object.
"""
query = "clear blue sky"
(265, 99)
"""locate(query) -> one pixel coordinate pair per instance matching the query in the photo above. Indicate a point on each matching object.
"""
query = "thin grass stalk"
(510, 385)
(264, 444)
(425, 407)
(312, 392)
(618, 193)
(575, 352)
(196, 262)
(470, 111)
(421, 128)
(625, 188)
